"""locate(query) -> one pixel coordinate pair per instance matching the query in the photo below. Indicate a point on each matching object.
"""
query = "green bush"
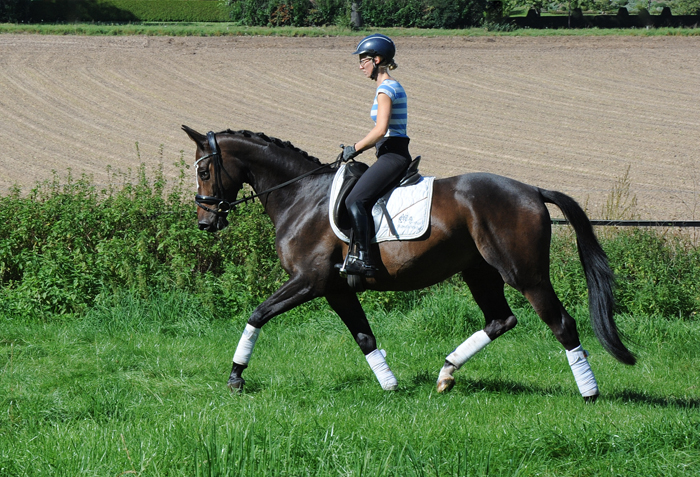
(375, 13)
(285, 12)
(656, 272)
(127, 11)
(14, 10)
(64, 245)
(678, 7)
(423, 13)
(67, 246)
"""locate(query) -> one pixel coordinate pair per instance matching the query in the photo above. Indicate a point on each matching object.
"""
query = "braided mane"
(276, 142)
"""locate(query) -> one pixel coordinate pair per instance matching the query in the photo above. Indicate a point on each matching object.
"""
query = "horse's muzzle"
(213, 224)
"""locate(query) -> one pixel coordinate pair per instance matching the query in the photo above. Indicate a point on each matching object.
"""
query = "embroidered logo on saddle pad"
(402, 214)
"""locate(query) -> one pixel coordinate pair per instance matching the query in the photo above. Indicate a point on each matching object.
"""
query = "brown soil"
(571, 114)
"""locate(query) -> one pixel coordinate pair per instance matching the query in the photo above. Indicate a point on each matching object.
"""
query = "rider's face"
(367, 65)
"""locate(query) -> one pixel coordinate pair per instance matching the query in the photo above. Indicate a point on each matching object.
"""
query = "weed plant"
(67, 246)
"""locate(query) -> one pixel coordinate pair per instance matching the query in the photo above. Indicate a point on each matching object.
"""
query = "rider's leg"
(379, 179)
(361, 264)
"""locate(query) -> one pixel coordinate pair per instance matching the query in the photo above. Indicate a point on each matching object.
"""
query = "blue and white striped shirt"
(399, 108)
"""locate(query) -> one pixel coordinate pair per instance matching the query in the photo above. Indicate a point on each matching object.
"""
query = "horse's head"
(218, 178)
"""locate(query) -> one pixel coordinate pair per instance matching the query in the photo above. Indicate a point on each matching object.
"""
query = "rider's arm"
(381, 127)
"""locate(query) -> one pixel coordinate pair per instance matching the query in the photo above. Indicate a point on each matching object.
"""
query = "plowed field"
(571, 114)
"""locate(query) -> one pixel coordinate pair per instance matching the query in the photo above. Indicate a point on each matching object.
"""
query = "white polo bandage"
(381, 369)
(246, 345)
(469, 348)
(583, 374)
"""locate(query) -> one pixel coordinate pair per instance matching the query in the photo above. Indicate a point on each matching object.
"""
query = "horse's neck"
(268, 171)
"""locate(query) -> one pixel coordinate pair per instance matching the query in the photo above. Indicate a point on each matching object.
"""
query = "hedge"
(298, 13)
(127, 11)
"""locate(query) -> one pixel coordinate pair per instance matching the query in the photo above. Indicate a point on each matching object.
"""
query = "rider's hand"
(349, 152)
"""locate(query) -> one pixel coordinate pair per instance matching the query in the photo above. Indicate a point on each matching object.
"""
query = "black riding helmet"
(377, 45)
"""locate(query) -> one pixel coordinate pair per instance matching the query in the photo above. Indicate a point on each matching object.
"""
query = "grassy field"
(138, 387)
(118, 324)
(230, 29)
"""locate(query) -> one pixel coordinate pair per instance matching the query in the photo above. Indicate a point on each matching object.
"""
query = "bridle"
(222, 206)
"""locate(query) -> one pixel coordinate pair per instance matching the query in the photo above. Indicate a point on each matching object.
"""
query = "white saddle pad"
(402, 214)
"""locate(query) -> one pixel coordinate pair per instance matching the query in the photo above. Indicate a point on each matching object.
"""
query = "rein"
(222, 206)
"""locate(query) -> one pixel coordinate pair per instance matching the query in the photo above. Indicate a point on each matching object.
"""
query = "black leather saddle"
(352, 173)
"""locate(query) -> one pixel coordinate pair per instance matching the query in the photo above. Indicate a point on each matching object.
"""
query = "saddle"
(401, 214)
(351, 174)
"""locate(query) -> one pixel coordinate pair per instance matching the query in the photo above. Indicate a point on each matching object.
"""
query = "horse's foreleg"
(486, 286)
(293, 293)
(348, 307)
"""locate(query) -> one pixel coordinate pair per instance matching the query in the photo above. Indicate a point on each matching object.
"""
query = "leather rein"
(222, 206)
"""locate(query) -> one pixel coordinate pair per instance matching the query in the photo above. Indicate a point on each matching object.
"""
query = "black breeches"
(379, 179)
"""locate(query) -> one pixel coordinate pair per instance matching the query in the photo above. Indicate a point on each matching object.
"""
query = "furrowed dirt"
(571, 114)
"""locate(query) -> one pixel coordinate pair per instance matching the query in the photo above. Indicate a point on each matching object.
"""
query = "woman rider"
(388, 136)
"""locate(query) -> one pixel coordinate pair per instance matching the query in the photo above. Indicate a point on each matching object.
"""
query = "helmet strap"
(375, 70)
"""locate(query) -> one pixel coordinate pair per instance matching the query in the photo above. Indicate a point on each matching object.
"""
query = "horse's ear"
(200, 139)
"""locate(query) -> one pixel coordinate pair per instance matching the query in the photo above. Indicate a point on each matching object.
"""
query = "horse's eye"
(204, 175)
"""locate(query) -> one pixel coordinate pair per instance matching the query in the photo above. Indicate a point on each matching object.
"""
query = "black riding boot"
(362, 263)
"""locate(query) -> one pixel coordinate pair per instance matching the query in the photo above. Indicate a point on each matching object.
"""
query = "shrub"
(14, 11)
(375, 13)
(64, 244)
(126, 11)
(68, 245)
(656, 272)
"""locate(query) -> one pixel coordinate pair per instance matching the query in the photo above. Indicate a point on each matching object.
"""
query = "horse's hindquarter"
(474, 218)
(510, 226)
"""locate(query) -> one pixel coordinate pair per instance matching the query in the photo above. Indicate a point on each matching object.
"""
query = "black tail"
(599, 277)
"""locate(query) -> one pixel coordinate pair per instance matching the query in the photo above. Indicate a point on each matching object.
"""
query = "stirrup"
(355, 266)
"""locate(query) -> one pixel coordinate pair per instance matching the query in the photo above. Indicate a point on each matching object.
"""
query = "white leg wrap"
(469, 348)
(246, 345)
(384, 375)
(583, 374)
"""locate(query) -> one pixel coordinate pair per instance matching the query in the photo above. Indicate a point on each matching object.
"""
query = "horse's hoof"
(590, 399)
(235, 385)
(445, 384)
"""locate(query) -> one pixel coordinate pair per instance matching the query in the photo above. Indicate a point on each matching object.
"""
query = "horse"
(491, 229)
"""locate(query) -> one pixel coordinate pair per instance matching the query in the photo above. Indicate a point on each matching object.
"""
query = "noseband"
(222, 206)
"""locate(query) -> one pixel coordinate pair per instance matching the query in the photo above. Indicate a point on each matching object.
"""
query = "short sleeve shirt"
(399, 108)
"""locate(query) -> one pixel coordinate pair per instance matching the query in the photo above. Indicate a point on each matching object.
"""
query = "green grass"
(138, 387)
(230, 29)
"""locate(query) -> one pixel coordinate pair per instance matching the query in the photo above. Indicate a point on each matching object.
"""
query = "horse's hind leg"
(486, 286)
(552, 312)
(348, 307)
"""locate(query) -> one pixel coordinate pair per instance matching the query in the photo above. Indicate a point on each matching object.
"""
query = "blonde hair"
(391, 65)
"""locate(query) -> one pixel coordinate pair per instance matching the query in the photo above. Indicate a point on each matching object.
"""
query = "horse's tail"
(599, 276)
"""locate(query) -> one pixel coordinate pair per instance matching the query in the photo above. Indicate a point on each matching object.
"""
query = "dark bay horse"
(491, 229)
